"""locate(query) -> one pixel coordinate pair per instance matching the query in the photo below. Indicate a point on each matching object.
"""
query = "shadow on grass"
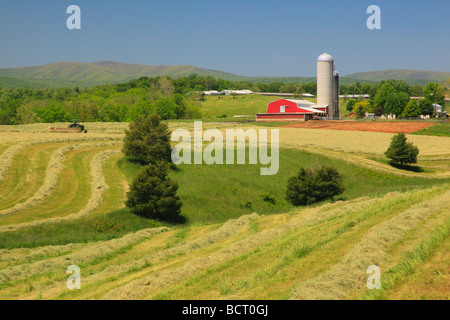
(171, 219)
(400, 166)
(406, 167)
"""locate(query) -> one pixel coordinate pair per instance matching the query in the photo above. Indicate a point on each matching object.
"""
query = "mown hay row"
(157, 280)
(7, 158)
(77, 258)
(98, 187)
(54, 167)
(350, 274)
(226, 230)
(24, 254)
(361, 160)
(306, 217)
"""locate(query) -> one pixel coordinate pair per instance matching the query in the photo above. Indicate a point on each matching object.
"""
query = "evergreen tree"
(412, 110)
(400, 151)
(148, 140)
(153, 195)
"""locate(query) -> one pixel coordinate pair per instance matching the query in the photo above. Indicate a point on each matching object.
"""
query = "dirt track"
(371, 126)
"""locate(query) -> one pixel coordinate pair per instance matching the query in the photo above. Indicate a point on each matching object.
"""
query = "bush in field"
(400, 151)
(153, 195)
(310, 186)
(351, 104)
(360, 109)
(269, 198)
(148, 140)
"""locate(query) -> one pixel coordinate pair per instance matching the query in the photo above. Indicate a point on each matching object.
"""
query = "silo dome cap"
(325, 57)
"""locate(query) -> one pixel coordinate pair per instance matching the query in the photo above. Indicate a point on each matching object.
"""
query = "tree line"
(393, 97)
(178, 98)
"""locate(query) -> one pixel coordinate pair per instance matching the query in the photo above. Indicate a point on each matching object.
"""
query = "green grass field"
(213, 108)
(395, 219)
(216, 193)
(439, 130)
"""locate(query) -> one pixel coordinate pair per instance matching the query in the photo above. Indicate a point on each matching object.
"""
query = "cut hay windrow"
(361, 160)
(350, 274)
(225, 231)
(54, 167)
(24, 254)
(7, 158)
(157, 280)
(98, 187)
(77, 258)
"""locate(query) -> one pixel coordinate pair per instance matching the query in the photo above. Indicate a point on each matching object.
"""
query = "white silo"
(328, 85)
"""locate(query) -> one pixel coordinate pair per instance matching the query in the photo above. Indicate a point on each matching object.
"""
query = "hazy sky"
(247, 37)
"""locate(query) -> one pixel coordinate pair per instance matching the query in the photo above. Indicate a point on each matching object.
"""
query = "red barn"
(289, 109)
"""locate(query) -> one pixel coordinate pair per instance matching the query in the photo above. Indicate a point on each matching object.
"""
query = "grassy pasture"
(230, 106)
(439, 130)
(213, 106)
(216, 193)
(399, 221)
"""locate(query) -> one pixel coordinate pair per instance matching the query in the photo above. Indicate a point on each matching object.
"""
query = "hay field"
(318, 252)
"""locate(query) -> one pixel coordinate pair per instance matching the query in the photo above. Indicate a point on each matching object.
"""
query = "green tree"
(412, 110)
(351, 104)
(399, 85)
(417, 90)
(426, 107)
(434, 93)
(53, 112)
(153, 195)
(148, 140)
(395, 103)
(360, 109)
(391, 100)
(298, 92)
(310, 186)
(400, 151)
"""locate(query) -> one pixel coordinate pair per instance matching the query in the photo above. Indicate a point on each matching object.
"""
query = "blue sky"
(247, 37)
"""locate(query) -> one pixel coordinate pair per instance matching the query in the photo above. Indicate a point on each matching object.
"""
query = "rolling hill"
(72, 74)
(411, 76)
(89, 74)
(62, 206)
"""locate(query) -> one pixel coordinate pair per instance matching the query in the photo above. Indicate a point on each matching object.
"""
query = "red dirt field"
(371, 126)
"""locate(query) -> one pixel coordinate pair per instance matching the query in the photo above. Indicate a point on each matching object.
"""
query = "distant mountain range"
(71, 74)
(411, 76)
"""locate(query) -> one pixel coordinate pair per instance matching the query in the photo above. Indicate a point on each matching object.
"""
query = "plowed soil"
(371, 126)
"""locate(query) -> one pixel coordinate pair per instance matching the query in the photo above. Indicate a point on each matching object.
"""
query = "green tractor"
(76, 126)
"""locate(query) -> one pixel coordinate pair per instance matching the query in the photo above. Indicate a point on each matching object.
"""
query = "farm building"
(327, 106)
(437, 108)
(211, 93)
(236, 92)
(289, 109)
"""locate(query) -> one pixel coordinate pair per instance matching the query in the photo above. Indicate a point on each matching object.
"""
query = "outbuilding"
(290, 109)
